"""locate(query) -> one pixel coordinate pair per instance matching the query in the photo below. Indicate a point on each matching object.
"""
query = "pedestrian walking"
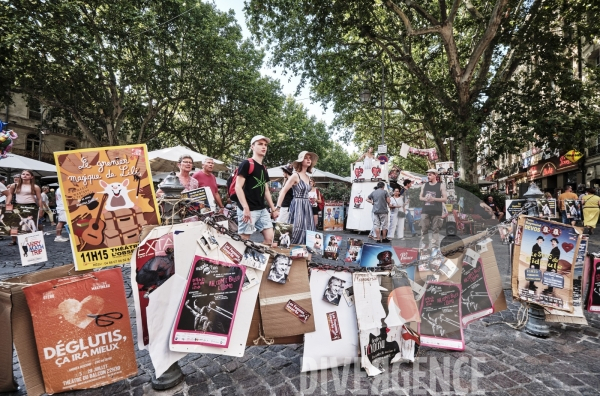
(316, 200)
(25, 191)
(410, 220)
(591, 209)
(301, 212)
(433, 194)
(380, 199)
(284, 212)
(205, 178)
(252, 189)
(568, 194)
(397, 216)
(61, 217)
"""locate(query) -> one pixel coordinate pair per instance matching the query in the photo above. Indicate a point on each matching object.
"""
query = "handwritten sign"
(108, 197)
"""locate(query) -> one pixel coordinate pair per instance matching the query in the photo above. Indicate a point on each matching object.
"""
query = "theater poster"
(108, 197)
(440, 310)
(544, 260)
(208, 307)
(82, 330)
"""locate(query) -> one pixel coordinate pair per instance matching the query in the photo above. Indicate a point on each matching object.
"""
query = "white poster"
(404, 150)
(32, 248)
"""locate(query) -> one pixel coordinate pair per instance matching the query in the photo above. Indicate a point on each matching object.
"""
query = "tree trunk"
(467, 162)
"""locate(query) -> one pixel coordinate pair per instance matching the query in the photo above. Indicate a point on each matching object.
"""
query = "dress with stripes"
(301, 215)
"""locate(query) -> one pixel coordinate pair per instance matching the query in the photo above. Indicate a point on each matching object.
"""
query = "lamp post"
(365, 93)
(451, 139)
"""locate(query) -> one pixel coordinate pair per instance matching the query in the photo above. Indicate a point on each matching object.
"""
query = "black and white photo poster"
(208, 307)
(476, 301)
(440, 325)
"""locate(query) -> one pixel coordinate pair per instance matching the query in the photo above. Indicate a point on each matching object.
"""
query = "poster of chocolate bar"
(476, 301)
(208, 307)
(440, 310)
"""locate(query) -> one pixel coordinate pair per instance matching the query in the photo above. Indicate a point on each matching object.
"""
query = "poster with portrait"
(32, 248)
(440, 311)
(376, 255)
(314, 242)
(543, 263)
(108, 197)
(282, 235)
(332, 246)
(82, 330)
(208, 307)
(18, 219)
(476, 301)
(354, 249)
(333, 216)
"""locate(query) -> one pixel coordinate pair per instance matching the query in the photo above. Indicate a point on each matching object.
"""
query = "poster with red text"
(82, 330)
(207, 309)
(108, 197)
(440, 325)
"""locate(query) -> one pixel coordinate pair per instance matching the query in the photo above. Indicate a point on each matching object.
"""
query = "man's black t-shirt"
(255, 185)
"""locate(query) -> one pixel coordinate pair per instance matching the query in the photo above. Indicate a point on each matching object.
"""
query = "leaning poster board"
(108, 197)
(543, 263)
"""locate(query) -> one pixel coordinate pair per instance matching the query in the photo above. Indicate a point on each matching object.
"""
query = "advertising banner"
(82, 330)
(108, 197)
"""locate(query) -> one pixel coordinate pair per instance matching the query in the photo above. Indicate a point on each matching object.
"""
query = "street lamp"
(451, 139)
(365, 94)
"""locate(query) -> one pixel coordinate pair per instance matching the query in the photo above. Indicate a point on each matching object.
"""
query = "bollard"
(170, 378)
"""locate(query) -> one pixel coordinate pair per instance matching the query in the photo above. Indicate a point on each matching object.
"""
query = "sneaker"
(61, 239)
(386, 240)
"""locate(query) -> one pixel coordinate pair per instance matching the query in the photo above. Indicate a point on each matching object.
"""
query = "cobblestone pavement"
(498, 360)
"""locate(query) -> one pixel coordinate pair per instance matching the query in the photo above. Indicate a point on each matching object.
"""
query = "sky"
(289, 83)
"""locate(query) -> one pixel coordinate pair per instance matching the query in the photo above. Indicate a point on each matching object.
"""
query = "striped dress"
(301, 215)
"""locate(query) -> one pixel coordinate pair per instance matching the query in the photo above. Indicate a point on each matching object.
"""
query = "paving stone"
(568, 380)
(198, 390)
(285, 390)
(502, 380)
(518, 376)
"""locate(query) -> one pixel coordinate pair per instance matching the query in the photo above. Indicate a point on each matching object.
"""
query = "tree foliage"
(449, 66)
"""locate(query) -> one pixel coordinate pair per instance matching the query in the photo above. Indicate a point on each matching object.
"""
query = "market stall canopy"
(318, 175)
(157, 177)
(165, 160)
(14, 161)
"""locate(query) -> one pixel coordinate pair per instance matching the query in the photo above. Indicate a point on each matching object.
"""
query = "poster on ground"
(82, 330)
(208, 307)
(440, 311)
(476, 301)
(108, 197)
(543, 263)
(333, 216)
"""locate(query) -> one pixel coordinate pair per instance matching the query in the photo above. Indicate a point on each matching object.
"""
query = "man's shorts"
(61, 216)
(380, 220)
(261, 220)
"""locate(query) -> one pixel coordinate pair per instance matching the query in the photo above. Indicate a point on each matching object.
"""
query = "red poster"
(82, 330)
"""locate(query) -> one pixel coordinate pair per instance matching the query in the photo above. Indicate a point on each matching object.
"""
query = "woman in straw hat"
(301, 214)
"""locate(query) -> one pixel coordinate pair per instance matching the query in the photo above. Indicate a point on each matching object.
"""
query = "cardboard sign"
(82, 330)
(551, 248)
(32, 248)
(440, 325)
(207, 310)
(108, 197)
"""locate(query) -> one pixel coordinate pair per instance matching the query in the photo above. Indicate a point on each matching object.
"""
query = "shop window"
(33, 143)
(70, 145)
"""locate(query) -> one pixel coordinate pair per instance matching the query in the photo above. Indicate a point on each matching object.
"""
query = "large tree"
(129, 71)
(449, 65)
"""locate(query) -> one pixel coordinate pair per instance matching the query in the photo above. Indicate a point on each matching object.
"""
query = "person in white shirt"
(61, 217)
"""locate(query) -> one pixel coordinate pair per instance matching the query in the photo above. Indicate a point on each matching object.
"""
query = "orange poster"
(108, 197)
(82, 330)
